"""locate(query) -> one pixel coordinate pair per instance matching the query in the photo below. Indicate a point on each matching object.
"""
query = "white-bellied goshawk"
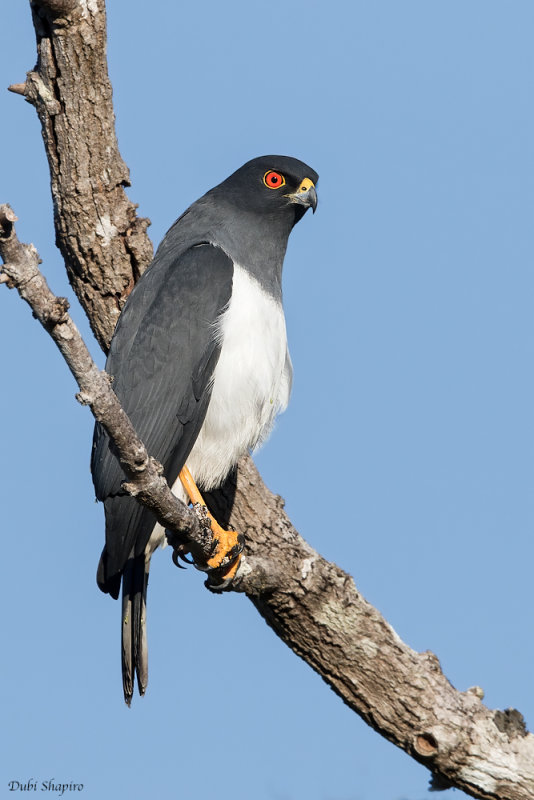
(200, 364)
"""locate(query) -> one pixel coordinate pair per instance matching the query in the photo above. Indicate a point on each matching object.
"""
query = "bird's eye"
(273, 179)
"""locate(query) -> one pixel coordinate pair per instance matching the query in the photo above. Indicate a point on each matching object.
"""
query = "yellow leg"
(190, 487)
(225, 541)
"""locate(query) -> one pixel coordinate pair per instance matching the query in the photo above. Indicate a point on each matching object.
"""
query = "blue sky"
(409, 309)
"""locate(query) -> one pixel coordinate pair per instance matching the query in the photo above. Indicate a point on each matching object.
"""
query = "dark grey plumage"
(162, 359)
(165, 351)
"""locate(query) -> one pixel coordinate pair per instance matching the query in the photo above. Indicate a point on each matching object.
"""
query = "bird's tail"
(134, 641)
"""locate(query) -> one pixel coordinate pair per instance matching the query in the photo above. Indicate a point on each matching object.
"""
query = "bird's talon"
(217, 586)
(179, 551)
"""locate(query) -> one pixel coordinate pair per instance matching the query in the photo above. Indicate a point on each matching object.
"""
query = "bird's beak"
(305, 195)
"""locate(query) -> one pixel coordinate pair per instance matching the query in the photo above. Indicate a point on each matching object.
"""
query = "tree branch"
(311, 604)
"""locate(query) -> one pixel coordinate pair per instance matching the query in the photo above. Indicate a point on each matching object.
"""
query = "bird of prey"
(199, 361)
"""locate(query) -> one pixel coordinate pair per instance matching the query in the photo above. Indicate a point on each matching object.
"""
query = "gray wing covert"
(162, 358)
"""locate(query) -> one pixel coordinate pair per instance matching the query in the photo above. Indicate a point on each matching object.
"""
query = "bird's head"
(273, 185)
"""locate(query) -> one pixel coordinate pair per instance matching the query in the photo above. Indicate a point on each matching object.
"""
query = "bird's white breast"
(251, 382)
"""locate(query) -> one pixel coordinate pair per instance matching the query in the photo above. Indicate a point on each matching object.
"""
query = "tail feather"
(134, 639)
(140, 639)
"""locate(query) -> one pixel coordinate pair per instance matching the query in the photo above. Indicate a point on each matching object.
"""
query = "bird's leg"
(228, 544)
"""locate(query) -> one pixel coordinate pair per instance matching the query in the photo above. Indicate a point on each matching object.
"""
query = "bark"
(310, 603)
(103, 242)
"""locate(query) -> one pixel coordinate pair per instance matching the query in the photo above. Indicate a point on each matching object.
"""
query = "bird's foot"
(227, 553)
(225, 557)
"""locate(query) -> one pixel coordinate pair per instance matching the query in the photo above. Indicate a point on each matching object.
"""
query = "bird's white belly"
(251, 382)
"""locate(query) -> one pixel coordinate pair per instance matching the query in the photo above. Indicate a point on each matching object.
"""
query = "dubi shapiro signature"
(51, 785)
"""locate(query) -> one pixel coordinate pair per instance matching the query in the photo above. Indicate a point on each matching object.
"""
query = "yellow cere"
(305, 185)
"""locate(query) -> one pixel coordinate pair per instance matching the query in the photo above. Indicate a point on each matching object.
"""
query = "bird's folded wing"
(162, 358)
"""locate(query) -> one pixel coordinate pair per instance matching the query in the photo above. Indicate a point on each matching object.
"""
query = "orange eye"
(273, 179)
